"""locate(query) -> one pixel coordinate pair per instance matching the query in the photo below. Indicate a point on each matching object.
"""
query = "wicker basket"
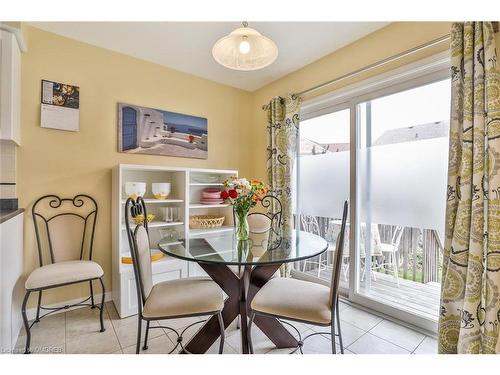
(205, 221)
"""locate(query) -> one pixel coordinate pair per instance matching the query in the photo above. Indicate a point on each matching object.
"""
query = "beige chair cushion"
(259, 223)
(183, 297)
(63, 273)
(144, 259)
(294, 299)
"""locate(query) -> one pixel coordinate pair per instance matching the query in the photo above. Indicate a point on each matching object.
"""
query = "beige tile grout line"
(382, 320)
(409, 352)
(113, 327)
(413, 352)
(364, 332)
(393, 343)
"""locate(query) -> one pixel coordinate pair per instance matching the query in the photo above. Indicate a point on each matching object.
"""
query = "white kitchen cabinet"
(10, 88)
(11, 281)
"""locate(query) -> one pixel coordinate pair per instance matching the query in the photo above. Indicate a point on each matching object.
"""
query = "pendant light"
(245, 49)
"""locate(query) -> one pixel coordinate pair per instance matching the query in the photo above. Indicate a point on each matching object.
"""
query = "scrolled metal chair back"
(337, 259)
(140, 252)
(273, 212)
(64, 227)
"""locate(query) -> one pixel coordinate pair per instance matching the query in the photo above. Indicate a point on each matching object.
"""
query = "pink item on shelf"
(212, 190)
(211, 193)
(210, 196)
(207, 200)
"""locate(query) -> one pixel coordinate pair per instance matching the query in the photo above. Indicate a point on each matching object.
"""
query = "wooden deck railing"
(420, 251)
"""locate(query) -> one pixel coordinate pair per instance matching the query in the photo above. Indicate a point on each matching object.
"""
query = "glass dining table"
(241, 268)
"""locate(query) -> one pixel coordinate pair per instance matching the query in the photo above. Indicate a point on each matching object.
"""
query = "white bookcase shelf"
(157, 201)
(202, 232)
(186, 187)
(157, 224)
(206, 184)
(199, 205)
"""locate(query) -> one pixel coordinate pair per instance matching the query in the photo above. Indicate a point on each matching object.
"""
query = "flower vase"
(242, 227)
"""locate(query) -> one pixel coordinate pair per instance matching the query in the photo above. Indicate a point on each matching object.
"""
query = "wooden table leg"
(240, 292)
(244, 282)
(210, 331)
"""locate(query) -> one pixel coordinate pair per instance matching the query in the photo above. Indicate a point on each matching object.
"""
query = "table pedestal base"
(240, 291)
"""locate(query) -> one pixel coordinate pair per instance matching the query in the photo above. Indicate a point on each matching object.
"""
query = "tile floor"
(77, 331)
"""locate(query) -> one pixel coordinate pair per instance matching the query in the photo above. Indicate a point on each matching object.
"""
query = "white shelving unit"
(206, 206)
(187, 185)
(203, 232)
(158, 224)
(158, 201)
(205, 184)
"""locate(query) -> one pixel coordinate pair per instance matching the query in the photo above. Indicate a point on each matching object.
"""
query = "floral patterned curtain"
(282, 135)
(470, 296)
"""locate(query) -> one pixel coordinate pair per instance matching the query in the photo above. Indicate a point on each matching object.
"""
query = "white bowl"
(161, 190)
(135, 189)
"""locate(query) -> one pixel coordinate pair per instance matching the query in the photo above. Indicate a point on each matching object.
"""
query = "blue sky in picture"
(185, 123)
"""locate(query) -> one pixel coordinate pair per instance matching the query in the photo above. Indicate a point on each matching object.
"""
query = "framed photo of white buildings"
(143, 130)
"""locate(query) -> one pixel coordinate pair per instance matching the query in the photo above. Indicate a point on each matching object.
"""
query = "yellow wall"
(53, 161)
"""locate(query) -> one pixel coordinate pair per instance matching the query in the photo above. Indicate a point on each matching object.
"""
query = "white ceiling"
(187, 46)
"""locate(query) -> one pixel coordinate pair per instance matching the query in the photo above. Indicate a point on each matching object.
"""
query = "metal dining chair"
(264, 231)
(64, 229)
(264, 228)
(265, 219)
(303, 301)
(310, 224)
(390, 252)
(170, 299)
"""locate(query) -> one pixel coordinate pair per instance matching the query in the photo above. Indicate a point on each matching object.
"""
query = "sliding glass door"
(324, 185)
(402, 179)
(382, 145)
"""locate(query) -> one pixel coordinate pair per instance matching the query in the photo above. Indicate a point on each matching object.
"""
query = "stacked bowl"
(211, 196)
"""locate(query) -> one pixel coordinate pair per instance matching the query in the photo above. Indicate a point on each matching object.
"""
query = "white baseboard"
(31, 313)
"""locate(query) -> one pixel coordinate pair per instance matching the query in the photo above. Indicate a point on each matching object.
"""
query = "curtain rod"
(371, 66)
(380, 63)
(376, 64)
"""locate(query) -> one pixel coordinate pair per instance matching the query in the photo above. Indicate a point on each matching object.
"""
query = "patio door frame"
(419, 73)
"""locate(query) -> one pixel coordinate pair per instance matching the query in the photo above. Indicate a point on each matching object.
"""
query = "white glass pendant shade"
(245, 49)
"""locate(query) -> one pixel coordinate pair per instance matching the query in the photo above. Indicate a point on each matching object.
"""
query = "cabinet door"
(10, 87)
(11, 271)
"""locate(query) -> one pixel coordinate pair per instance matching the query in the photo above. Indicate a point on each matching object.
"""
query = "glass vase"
(242, 228)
